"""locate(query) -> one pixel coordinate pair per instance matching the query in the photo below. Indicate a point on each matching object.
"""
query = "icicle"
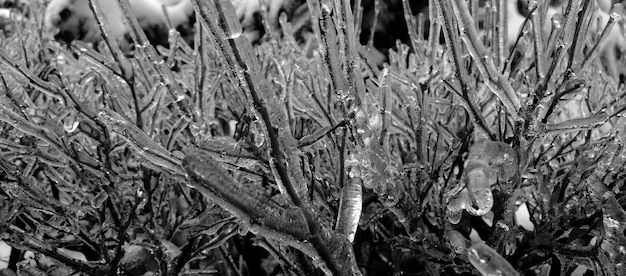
(614, 225)
(456, 205)
(350, 208)
(478, 181)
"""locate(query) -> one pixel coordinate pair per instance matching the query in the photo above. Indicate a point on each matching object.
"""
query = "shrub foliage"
(303, 156)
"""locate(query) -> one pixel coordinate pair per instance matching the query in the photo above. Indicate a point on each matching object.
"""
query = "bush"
(302, 156)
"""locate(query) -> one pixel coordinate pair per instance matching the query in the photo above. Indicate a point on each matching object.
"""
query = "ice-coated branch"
(140, 142)
(350, 49)
(27, 126)
(323, 21)
(166, 76)
(571, 86)
(319, 134)
(110, 40)
(211, 179)
(537, 20)
(410, 23)
(22, 239)
(569, 28)
(563, 44)
(340, 49)
(34, 81)
(123, 64)
(27, 191)
(617, 14)
(454, 45)
(228, 148)
(578, 124)
(579, 38)
(244, 69)
(263, 217)
(496, 82)
(500, 35)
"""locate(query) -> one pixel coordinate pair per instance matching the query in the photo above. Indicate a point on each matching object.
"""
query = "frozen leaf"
(488, 261)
